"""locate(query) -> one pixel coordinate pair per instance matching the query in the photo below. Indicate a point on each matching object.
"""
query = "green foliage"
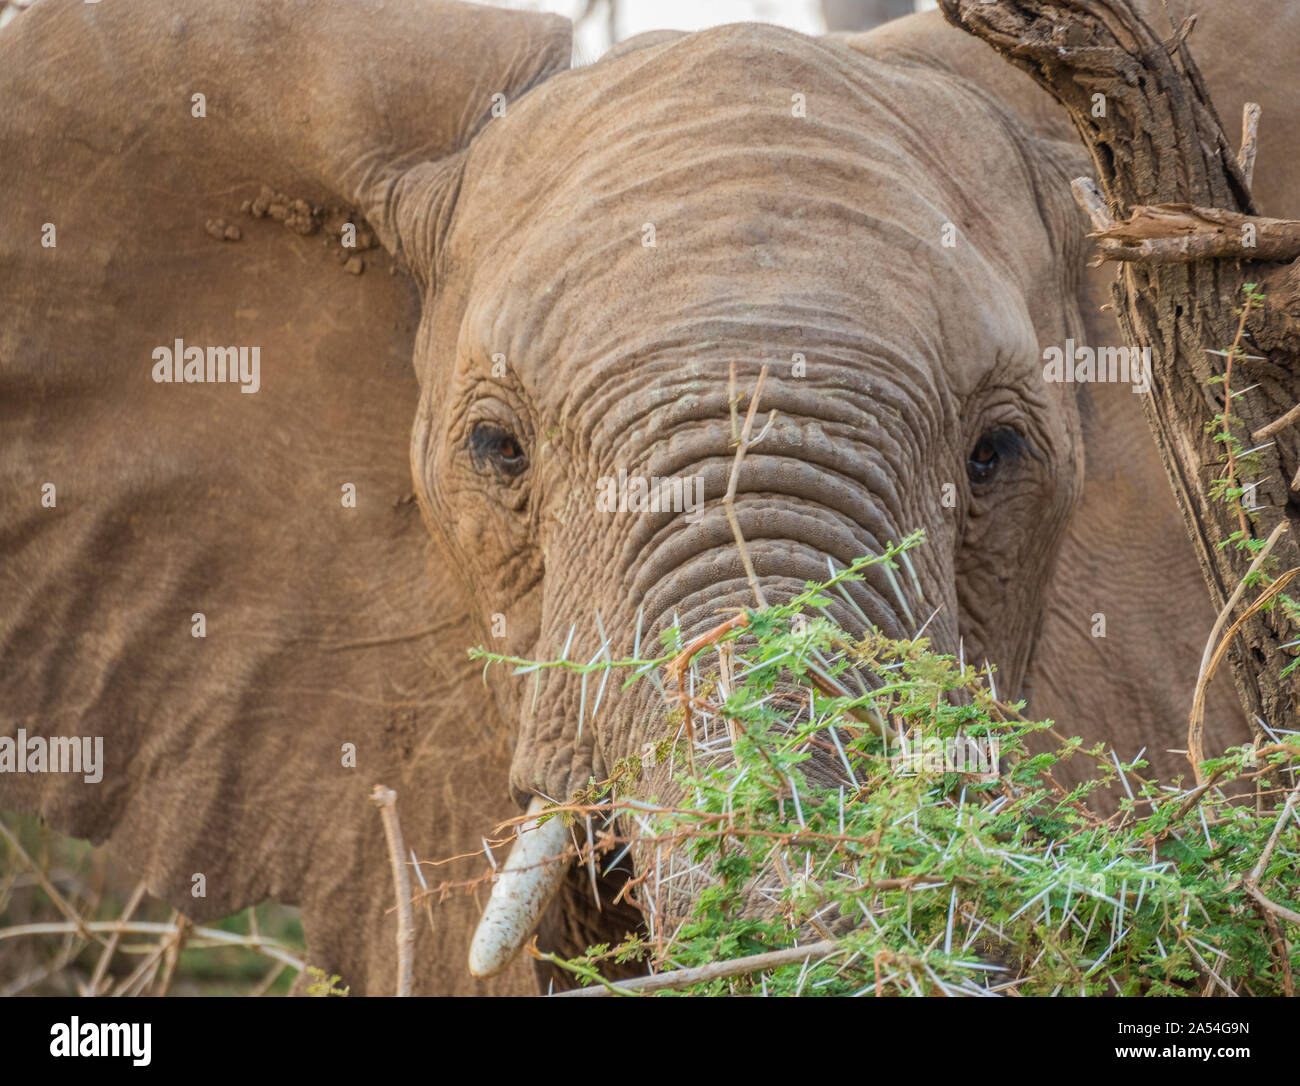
(322, 985)
(928, 878)
(1241, 464)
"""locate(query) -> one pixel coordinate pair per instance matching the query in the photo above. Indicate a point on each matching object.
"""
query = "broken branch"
(1181, 234)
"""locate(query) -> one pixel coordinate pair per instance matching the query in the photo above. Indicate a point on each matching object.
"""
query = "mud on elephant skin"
(516, 310)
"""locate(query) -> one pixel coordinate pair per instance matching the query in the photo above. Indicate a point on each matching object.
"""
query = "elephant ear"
(228, 581)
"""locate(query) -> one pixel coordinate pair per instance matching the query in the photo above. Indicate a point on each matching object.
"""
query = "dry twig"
(1277, 426)
(386, 800)
(1271, 909)
(201, 936)
(60, 902)
(106, 955)
(1183, 234)
(743, 445)
(736, 967)
(1212, 655)
(1249, 140)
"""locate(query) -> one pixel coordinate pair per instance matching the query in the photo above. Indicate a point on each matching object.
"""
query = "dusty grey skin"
(520, 236)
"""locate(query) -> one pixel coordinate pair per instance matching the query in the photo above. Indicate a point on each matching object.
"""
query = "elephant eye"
(491, 445)
(991, 450)
(983, 460)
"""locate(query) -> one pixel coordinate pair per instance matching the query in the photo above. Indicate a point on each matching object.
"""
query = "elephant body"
(513, 304)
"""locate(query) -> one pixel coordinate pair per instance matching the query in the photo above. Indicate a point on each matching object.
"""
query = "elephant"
(441, 284)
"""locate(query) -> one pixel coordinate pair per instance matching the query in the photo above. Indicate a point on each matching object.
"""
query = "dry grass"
(73, 924)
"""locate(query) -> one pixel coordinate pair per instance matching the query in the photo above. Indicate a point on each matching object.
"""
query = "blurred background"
(601, 23)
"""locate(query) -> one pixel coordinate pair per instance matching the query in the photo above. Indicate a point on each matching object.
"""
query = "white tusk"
(524, 887)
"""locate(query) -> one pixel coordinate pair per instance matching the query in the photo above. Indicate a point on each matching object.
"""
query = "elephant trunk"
(811, 499)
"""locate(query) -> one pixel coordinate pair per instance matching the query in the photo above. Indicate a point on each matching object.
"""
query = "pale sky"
(635, 16)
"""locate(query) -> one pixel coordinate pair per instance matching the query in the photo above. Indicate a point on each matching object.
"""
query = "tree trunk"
(1144, 113)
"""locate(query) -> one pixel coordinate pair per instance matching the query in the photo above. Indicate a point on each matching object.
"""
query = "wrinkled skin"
(626, 353)
(521, 236)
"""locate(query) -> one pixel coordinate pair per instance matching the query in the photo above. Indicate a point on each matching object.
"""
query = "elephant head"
(573, 261)
(756, 197)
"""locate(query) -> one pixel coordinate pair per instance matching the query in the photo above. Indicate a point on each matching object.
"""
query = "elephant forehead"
(742, 172)
(745, 121)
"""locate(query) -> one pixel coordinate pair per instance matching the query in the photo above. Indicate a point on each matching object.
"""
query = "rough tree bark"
(1183, 263)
